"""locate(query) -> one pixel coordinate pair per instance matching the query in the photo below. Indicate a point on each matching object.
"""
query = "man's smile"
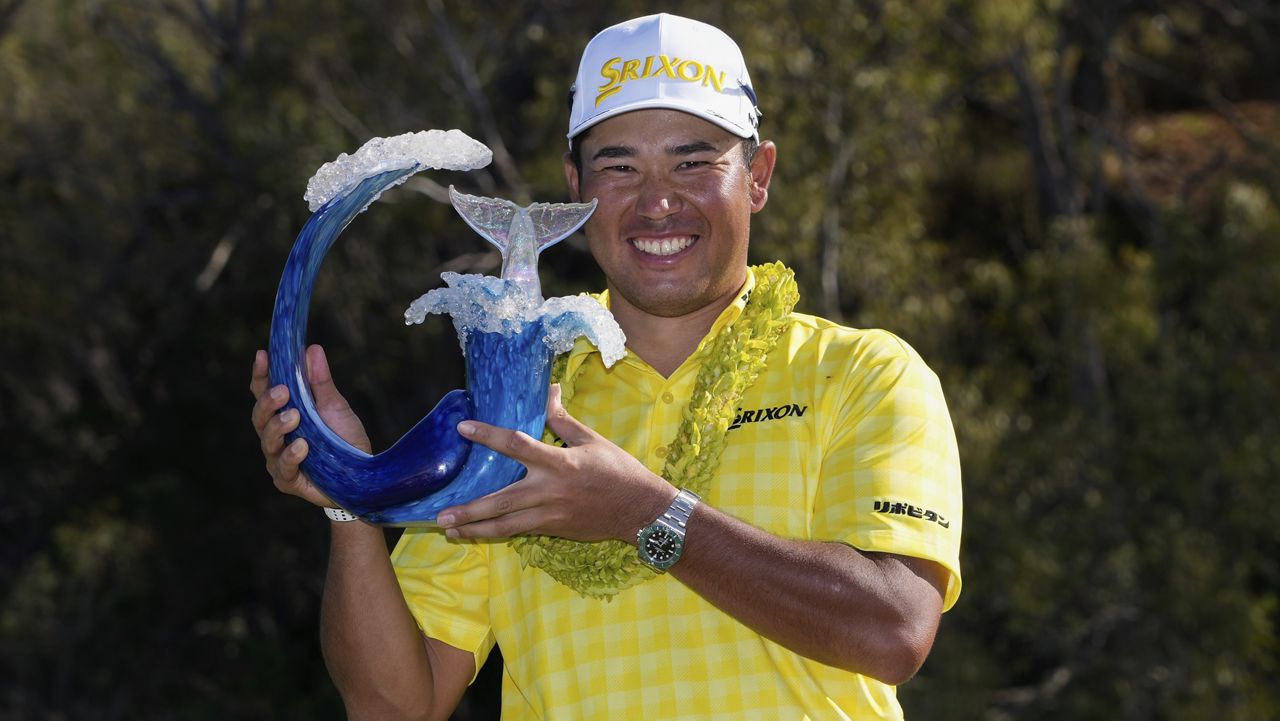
(663, 246)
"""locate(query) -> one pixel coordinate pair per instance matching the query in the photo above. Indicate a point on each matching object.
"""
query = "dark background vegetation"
(1069, 207)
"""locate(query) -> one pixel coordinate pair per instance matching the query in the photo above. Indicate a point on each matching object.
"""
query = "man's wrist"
(660, 544)
(645, 513)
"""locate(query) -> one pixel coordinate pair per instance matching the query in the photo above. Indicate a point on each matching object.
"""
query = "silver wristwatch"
(660, 543)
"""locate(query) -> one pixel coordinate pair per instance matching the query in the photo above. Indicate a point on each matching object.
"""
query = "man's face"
(675, 202)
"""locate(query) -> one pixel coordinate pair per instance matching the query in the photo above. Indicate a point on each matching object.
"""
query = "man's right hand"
(284, 462)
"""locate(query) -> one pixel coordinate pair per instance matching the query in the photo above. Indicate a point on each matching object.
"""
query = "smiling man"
(668, 554)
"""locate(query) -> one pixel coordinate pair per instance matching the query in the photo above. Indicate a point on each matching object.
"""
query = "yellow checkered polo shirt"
(844, 437)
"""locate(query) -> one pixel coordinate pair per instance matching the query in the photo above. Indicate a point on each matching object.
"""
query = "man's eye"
(692, 164)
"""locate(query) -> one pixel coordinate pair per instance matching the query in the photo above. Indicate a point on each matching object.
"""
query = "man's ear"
(761, 173)
(571, 177)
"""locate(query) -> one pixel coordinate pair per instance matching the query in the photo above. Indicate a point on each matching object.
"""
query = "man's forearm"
(874, 614)
(372, 646)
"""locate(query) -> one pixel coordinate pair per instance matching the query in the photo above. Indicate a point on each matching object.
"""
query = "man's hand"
(588, 491)
(283, 463)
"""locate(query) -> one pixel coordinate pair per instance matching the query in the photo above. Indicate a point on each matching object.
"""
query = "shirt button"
(667, 397)
(660, 452)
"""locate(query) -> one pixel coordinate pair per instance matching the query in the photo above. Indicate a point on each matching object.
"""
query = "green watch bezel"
(649, 532)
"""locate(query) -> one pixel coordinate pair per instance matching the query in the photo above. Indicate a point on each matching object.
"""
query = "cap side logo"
(617, 71)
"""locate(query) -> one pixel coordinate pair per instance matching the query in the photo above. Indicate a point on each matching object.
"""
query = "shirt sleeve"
(890, 478)
(446, 586)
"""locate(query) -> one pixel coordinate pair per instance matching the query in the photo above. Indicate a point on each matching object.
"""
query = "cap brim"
(666, 104)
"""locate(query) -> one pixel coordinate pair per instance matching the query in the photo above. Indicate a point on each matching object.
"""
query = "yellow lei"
(601, 569)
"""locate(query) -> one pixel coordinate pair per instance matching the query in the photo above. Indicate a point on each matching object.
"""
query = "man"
(787, 489)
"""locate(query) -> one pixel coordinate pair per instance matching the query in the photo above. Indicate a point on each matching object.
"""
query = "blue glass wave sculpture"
(509, 336)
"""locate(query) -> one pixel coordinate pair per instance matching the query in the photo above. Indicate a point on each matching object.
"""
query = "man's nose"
(658, 200)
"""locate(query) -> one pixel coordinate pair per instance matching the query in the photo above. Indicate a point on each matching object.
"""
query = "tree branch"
(465, 67)
(837, 175)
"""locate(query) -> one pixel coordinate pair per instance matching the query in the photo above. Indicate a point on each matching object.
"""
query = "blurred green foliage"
(1070, 208)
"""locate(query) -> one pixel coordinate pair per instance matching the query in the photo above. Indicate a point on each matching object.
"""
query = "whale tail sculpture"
(521, 233)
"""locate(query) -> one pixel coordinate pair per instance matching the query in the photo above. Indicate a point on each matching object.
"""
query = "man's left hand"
(589, 490)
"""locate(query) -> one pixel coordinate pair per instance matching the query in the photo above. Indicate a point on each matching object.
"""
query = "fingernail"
(277, 393)
(445, 519)
(467, 429)
(291, 415)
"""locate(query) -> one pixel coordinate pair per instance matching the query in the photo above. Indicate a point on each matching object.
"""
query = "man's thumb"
(318, 375)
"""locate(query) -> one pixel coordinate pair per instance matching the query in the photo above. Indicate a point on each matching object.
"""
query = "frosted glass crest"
(441, 149)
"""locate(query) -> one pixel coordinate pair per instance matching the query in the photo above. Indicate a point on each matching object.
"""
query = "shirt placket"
(667, 403)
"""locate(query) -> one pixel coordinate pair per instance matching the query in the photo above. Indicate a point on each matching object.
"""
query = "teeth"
(666, 246)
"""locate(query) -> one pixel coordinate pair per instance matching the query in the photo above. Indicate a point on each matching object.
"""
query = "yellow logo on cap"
(617, 71)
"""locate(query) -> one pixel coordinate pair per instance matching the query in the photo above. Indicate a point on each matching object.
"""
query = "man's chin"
(666, 301)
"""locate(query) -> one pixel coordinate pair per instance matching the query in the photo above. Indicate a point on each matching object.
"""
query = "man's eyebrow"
(697, 146)
(614, 151)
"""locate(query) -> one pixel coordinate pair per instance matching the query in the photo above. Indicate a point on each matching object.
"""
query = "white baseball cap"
(664, 61)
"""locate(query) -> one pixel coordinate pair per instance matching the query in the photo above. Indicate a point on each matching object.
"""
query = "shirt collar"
(583, 348)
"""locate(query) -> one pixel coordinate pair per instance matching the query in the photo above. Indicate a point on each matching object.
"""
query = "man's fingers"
(291, 459)
(286, 472)
(499, 503)
(267, 405)
(258, 380)
(288, 467)
(512, 444)
(570, 430)
(275, 429)
(284, 460)
(504, 526)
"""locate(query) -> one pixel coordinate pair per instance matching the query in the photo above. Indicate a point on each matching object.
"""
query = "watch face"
(660, 546)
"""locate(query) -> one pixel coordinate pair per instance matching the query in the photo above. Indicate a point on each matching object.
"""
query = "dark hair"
(749, 147)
